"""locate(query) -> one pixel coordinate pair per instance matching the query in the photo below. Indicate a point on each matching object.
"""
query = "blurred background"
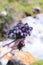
(14, 10)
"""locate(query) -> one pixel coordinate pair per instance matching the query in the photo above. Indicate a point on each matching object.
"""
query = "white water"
(35, 47)
(34, 43)
(5, 42)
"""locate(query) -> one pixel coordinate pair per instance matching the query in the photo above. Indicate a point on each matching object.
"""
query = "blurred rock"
(36, 10)
(15, 61)
(4, 13)
(0, 63)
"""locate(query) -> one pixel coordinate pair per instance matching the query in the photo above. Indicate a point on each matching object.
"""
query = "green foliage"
(8, 17)
(40, 62)
(1, 28)
(3, 20)
(12, 0)
(25, 6)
